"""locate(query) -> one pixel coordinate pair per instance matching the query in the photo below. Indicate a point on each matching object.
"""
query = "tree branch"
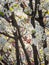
(14, 23)
(6, 35)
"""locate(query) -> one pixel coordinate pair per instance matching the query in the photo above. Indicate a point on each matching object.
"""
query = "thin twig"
(6, 35)
(32, 14)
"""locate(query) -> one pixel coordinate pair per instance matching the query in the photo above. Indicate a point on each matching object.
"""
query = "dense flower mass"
(24, 32)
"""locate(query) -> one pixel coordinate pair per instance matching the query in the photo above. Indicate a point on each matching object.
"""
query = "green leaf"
(1, 58)
(15, 5)
(33, 31)
(11, 9)
(1, 13)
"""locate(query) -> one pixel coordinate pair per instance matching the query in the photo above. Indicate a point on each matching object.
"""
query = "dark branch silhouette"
(6, 34)
(32, 14)
(14, 23)
(17, 48)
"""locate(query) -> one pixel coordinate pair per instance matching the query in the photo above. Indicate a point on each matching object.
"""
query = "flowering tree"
(21, 30)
